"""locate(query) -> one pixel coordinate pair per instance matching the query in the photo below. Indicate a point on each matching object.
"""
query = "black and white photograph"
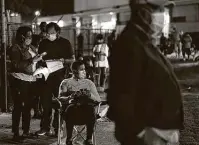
(99, 72)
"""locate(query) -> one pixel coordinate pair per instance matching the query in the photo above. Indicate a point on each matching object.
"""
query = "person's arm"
(62, 89)
(106, 50)
(16, 60)
(70, 56)
(70, 60)
(94, 49)
(94, 94)
(41, 47)
(190, 38)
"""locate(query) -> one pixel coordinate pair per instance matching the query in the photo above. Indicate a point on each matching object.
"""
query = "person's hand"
(86, 93)
(37, 58)
(62, 60)
(102, 53)
(39, 76)
(64, 98)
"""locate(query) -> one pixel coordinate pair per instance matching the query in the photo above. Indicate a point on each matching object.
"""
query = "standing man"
(163, 44)
(144, 97)
(43, 33)
(111, 39)
(177, 41)
(80, 40)
(56, 47)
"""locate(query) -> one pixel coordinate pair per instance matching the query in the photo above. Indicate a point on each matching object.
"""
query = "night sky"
(48, 7)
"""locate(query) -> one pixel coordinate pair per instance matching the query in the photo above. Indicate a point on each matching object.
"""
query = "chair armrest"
(99, 104)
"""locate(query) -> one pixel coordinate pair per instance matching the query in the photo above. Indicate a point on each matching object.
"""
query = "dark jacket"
(144, 91)
(21, 59)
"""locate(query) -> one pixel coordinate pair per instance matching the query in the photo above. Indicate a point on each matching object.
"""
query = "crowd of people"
(30, 52)
(179, 43)
(145, 110)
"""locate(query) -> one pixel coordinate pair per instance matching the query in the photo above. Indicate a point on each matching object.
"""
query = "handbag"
(98, 55)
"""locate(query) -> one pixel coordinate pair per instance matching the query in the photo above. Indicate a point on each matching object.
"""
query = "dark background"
(47, 7)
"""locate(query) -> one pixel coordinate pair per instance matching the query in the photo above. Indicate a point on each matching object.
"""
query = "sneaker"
(49, 133)
(27, 135)
(69, 142)
(88, 142)
(40, 132)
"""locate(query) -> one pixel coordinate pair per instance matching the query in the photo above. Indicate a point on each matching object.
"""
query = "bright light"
(16, 14)
(78, 25)
(111, 13)
(37, 13)
(12, 14)
(166, 24)
(109, 25)
(61, 23)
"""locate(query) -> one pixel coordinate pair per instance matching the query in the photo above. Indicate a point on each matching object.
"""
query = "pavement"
(104, 131)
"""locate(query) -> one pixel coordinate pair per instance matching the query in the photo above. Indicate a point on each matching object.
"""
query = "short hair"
(99, 37)
(21, 33)
(76, 65)
(42, 24)
(53, 25)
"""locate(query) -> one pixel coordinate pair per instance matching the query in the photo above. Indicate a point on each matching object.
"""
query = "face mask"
(28, 41)
(52, 37)
(160, 24)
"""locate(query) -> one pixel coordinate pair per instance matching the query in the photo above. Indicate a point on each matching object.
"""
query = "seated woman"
(83, 113)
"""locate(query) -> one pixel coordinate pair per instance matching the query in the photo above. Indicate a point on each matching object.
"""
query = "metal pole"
(3, 47)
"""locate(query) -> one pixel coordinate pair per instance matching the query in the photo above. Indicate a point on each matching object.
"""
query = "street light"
(37, 13)
(34, 21)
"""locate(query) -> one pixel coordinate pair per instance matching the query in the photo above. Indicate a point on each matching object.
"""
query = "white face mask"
(160, 24)
(52, 37)
(28, 41)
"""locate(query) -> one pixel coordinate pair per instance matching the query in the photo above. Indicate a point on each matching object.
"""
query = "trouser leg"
(103, 77)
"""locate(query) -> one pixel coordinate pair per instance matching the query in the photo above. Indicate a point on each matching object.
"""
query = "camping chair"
(78, 132)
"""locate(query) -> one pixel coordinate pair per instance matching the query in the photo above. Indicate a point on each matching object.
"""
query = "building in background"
(101, 14)
(104, 14)
(186, 15)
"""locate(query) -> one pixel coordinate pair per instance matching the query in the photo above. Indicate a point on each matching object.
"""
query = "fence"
(83, 45)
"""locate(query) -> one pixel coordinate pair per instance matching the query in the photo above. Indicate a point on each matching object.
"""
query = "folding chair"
(75, 128)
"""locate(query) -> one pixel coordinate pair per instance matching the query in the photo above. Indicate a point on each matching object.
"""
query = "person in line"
(80, 44)
(23, 57)
(43, 33)
(177, 41)
(186, 45)
(100, 54)
(37, 38)
(59, 48)
(111, 39)
(163, 44)
(144, 97)
(84, 113)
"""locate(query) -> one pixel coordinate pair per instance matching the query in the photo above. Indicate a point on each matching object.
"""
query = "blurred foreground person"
(144, 97)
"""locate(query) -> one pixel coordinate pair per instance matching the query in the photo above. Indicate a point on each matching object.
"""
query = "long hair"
(21, 34)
